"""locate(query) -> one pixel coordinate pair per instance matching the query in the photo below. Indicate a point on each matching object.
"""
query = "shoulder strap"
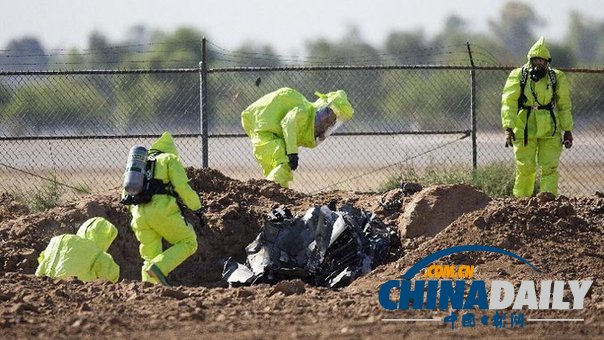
(150, 171)
(154, 154)
(552, 78)
(523, 77)
(523, 80)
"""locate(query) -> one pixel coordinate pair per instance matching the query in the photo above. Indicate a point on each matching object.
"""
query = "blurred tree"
(168, 97)
(24, 54)
(57, 103)
(514, 30)
(600, 51)
(407, 48)
(251, 54)
(351, 49)
(584, 38)
(487, 52)
(454, 32)
(6, 95)
(138, 38)
(449, 46)
(431, 100)
(562, 55)
(101, 55)
(74, 59)
(180, 49)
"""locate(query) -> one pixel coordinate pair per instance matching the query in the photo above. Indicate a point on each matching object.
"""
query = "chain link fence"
(69, 132)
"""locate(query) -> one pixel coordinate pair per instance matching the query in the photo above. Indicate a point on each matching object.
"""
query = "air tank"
(135, 170)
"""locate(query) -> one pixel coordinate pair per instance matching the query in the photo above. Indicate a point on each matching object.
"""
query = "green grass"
(50, 194)
(46, 197)
(83, 188)
(495, 179)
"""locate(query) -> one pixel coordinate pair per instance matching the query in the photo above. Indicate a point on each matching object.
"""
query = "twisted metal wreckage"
(324, 248)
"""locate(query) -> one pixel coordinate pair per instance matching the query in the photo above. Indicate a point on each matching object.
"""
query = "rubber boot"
(156, 273)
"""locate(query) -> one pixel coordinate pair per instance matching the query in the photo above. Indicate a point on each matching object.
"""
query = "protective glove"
(293, 161)
(510, 137)
(201, 217)
(568, 139)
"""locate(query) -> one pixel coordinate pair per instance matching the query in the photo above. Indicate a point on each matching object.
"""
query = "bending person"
(281, 121)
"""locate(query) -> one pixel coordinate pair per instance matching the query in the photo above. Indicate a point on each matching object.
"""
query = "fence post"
(203, 103)
(473, 109)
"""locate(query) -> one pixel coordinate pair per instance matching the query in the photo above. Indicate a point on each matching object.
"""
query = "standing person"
(281, 121)
(535, 109)
(83, 255)
(161, 217)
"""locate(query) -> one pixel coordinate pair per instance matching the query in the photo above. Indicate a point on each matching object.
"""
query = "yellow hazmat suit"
(281, 121)
(83, 256)
(161, 218)
(543, 144)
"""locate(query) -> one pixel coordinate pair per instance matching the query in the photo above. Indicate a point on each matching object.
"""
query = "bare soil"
(561, 236)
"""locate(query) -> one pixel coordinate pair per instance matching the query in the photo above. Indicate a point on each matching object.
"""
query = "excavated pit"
(561, 236)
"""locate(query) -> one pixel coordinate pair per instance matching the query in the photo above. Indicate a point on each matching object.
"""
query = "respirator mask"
(538, 69)
(537, 72)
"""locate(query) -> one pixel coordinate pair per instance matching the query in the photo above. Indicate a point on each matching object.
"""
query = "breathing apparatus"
(537, 72)
(134, 177)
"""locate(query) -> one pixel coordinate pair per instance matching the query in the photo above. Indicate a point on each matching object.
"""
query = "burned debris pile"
(324, 248)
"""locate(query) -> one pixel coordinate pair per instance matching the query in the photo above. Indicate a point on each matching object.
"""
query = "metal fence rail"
(75, 127)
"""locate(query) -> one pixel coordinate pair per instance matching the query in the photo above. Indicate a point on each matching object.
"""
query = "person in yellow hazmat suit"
(535, 109)
(281, 121)
(83, 255)
(161, 217)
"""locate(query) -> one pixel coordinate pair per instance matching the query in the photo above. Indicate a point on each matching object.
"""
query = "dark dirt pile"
(563, 237)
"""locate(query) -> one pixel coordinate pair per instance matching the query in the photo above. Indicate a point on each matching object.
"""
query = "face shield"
(326, 123)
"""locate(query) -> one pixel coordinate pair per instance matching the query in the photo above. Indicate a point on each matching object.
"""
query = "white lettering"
(558, 296)
(579, 291)
(545, 294)
(497, 288)
(526, 296)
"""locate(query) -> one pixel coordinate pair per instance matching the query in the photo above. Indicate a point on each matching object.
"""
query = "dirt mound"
(563, 237)
(434, 208)
(10, 208)
(213, 182)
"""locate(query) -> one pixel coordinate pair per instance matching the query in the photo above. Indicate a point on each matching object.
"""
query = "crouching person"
(83, 255)
(156, 215)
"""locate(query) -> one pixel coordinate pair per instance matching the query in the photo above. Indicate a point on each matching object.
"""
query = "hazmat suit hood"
(539, 50)
(165, 144)
(337, 101)
(98, 230)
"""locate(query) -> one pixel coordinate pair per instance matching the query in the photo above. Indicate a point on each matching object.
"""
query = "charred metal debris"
(324, 248)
